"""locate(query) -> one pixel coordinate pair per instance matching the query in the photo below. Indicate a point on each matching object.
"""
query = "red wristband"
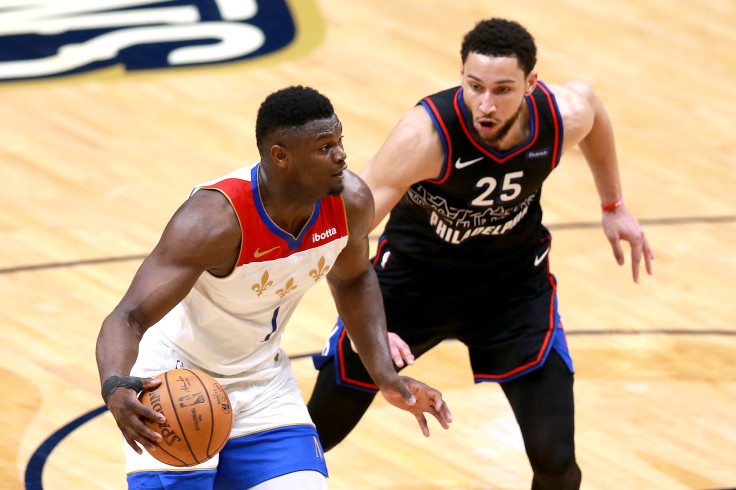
(613, 205)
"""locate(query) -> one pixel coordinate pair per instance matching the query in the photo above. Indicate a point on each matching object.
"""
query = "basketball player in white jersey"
(219, 287)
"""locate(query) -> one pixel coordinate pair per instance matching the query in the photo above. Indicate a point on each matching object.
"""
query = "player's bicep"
(351, 265)
(160, 283)
(411, 153)
(163, 279)
(198, 237)
(577, 104)
(353, 259)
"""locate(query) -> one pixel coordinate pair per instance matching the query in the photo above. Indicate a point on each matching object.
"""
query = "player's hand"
(416, 397)
(129, 413)
(400, 350)
(619, 224)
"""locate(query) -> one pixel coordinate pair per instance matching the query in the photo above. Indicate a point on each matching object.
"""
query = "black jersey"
(483, 209)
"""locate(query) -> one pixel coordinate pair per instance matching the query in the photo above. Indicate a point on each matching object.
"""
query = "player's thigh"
(178, 478)
(303, 480)
(252, 459)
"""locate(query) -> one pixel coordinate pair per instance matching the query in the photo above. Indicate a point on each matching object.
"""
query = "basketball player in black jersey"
(464, 253)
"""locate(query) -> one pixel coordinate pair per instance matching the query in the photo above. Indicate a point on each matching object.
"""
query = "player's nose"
(487, 104)
(339, 155)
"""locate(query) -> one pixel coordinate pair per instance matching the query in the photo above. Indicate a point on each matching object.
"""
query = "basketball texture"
(198, 417)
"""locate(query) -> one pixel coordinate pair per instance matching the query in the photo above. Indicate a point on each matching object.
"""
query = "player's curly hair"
(290, 107)
(500, 37)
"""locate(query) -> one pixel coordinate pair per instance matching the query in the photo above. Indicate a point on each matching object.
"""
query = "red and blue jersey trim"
(557, 122)
(262, 239)
(444, 134)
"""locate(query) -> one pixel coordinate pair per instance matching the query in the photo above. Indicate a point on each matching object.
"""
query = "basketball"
(198, 417)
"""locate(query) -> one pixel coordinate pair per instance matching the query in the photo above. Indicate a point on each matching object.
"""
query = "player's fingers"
(145, 434)
(444, 410)
(146, 412)
(131, 442)
(396, 356)
(134, 436)
(437, 400)
(406, 354)
(636, 259)
(440, 416)
(648, 257)
(423, 423)
(618, 252)
(400, 350)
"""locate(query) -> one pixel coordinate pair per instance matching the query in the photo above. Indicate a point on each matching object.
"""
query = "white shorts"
(260, 400)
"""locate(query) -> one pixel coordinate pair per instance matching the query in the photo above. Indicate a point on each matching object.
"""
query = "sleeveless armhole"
(444, 135)
(557, 121)
(232, 190)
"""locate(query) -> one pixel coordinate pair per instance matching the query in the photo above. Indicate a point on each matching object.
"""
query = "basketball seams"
(230, 425)
(212, 414)
(183, 463)
(162, 448)
(189, 448)
(178, 420)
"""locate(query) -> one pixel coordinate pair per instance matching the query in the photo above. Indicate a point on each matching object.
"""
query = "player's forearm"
(599, 150)
(361, 308)
(117, 347)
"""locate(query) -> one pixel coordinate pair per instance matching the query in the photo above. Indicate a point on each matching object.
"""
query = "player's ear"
(279, 155)
(531, 82)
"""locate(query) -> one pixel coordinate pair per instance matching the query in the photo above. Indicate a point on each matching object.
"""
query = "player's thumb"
(407, 395)
(150, 383)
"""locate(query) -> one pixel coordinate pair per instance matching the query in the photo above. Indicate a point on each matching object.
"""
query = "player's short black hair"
(500, 37)
(290, 107)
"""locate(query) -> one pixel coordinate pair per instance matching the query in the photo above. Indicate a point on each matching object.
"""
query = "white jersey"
(232, 325)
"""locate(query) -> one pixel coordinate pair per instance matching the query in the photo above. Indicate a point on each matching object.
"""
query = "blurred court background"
(93, 165)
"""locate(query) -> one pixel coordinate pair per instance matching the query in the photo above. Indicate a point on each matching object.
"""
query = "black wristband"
(114, 382)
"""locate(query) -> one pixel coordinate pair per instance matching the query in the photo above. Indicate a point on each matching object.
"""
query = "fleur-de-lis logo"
(320, 271)
(290, 286)
(265, 284)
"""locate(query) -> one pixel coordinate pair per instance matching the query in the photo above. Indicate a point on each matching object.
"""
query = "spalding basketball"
(198, 417)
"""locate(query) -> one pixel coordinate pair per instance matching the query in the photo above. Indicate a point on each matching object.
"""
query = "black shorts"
(508, 324)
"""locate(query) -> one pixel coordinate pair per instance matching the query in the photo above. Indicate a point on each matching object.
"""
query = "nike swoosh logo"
(258, 253)
(460, 164)
(538, 260)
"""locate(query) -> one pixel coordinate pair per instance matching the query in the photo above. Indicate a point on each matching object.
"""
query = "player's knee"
(555, 460)
(555, 469)
(568, 480)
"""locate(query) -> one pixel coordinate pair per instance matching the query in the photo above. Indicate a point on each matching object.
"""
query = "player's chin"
(337, 189)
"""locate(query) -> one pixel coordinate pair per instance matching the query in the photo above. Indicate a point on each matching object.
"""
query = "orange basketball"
(198, 417)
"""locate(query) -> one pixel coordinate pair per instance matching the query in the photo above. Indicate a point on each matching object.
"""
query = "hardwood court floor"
(92, 168)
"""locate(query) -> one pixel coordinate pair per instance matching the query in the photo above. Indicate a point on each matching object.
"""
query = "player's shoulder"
(207, 214)
(416, 120)
(572, 97)
(359, 205)
(576, 103)
(414, 143)
(203, 232)
(356, 193)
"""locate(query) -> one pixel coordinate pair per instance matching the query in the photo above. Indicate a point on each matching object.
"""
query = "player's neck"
(283, 206)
